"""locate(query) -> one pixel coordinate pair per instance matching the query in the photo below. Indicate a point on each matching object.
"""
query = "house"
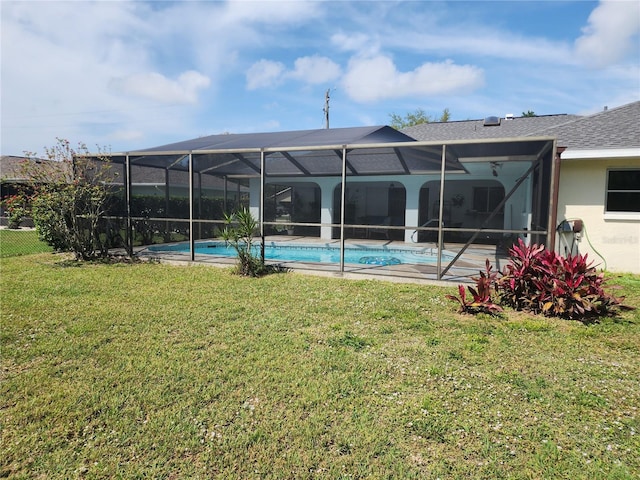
(15, 178)
(599, 186)
(457, 184)
(598, 203)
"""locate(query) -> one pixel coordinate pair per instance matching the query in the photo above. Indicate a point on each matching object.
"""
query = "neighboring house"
(599, 180)
(600, 185)
(14, 179)
(12, 176)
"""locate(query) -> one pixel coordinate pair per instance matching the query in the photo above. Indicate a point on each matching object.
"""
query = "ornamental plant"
(70, 198)
(480, 300)
(239, 231)
(540, 281)
(16, 209)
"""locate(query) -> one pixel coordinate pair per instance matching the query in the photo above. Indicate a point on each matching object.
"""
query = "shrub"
(481, 301)
(516, 288)
(70, 196)
(239, 231)
(15, 207)
(541, 281)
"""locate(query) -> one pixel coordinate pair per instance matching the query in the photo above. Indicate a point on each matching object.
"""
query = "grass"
(20, 242)
(156, 371)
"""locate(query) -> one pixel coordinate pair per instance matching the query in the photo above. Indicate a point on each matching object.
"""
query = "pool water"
(360, 254)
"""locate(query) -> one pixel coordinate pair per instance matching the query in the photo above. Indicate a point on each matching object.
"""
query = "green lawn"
(20, 242)
(156, 371)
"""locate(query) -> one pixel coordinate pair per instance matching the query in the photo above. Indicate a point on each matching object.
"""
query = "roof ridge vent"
(508, 116)
(491, 121)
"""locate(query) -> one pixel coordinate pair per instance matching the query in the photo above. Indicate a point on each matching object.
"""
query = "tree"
(446, 116)
(416, 117)
(71, 191)
(529, 113)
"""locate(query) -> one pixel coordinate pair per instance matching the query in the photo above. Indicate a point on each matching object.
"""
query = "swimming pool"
(318, 253)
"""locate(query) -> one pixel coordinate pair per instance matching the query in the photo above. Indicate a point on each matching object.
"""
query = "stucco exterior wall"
(608, 239)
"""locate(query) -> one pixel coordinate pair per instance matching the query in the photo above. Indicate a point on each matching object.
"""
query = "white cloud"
(86, 70)
(264, 74)
(315, 70)
(113, 71)
(356, 42)
(377, 78)
(311, 70)
(159, 88)
(277, 13)
(612, 29)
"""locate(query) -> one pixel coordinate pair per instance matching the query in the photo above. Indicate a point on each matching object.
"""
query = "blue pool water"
(361, 254)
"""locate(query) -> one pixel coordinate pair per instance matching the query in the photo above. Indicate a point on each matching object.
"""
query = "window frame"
(619, 213)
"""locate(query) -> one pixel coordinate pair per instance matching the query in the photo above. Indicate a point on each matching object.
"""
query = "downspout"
(553, 202)
(441, 212)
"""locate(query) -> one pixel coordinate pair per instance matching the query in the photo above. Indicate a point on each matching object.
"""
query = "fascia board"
(600, 153)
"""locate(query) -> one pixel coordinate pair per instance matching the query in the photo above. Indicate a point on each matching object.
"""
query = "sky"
(127, 75)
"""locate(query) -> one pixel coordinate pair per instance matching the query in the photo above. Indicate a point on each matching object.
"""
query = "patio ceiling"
(370, 151)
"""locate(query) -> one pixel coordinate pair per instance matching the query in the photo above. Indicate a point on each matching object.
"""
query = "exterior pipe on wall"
(553, 202)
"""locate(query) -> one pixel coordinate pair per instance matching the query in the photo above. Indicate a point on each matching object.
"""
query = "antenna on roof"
(326, 109)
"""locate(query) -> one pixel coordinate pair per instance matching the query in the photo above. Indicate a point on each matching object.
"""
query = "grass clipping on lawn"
(191, 372)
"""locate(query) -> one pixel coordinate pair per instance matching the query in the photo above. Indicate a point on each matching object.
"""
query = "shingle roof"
(474, 129)
(12, 168)
(615, 128)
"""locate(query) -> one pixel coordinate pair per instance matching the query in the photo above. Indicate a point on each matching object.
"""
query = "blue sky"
(129, 75)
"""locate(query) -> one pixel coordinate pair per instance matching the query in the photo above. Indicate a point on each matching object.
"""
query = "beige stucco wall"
(582, 191)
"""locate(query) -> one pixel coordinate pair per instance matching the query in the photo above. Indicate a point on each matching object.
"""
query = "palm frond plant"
(239, 231)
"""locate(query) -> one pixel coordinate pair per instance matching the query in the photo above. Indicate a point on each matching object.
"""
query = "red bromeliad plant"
(481, 301)
(516, 288)
(540, 281)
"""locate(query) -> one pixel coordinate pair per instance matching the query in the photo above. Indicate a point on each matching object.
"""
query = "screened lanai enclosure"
(366, 199)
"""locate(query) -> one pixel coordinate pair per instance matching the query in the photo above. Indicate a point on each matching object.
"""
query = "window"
(623, 191)
(486, 199)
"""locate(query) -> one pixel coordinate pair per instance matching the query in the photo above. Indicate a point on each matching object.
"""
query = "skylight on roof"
(491, 121)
